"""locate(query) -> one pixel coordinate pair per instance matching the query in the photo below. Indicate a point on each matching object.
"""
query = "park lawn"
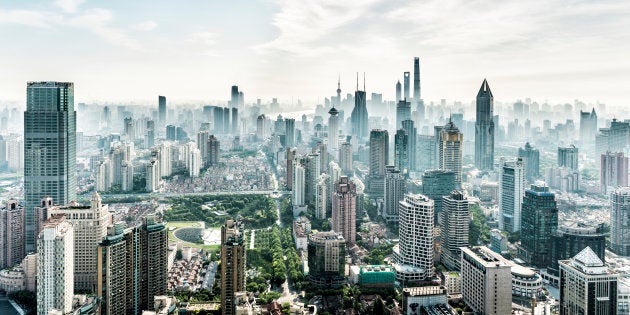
(183, 224)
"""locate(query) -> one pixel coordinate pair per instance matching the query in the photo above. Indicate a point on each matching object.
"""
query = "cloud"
(145, 26)
(204, 42)
(69, 6)
(29, 18)
(98, 22)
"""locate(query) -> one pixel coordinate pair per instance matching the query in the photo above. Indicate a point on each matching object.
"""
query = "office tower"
(568, 157)
(326, 259)
(149, 138)
(345, 158)
(312, 169)
(289, 130)
(379, 157)
(129, 128)
(619, 229)
(401, 159)
(359, 115)
(484, 129)
(344, 209)
(395, 190)
(615, 138)
(321, 197)
(15, 155)
(450, 150)
(171, 133)
(234, 97)
(539, 220)
(406, 85)
(153, 176)
(235, 130)
(455, 220)
(226, 120)
(291, 155)
(413, 256)
(486, 281)
(112, 284)
(232, 263)
(49, 149)
(90, 226)
(333, 129)
(511, 195)
(426, 153)
(299, 185)
(217, 120)
(437, 184)
(398, 91)
(588, 130)
(55, 266)
(261, 128)
(586, 285)
(613, 171)
(416, 80)
(11, 234)
(531, 157)
(162, 110)
(403, 112)
(572, 238)
(202, 144)
(214, 149)
(412, 133)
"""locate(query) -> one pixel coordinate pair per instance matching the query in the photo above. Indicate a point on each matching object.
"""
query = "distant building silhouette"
(484, 128)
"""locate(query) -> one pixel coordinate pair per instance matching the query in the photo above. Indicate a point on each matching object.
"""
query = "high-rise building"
(162, 110)
(407, 85)
(568, 157)
(214, 149)
(401, 159)
(232, 264)
(450, 150)
(437, 184)
(312, 168)
(619, 213)
(202, 144)
(344, 209)
(49, 149)
(359, 116)
(234, 97)
(333, 129)
(11, 234)
(55, 266)
(455, 220)
(511, 194)
(412, 134)
(539, 220)
(416, 80)
(486, 281)
(90, 226)
(531, 157)
(395, 190)
(291, 155)
(235, 130)
(484, 128)
(321, 197)
(345, 158)
(326, 259)
(261, 127)
(403, 112)
(426, 153)
(153, 176)
(588, 130)
(615, 138)
(379, 157)
(112, 271)
(613, 171)
(299, 178)
(398, 91)
(414, 253)
(586, 285)
(572, 238)
(289, 129)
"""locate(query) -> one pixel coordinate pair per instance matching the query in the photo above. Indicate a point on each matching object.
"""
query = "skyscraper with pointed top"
(398, 91)
(406, 77)
(338, 101)
(484, 128)
(416, 79)
(333, 129)
(359, 116)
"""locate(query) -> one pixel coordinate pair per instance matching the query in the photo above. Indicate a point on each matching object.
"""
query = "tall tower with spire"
(398, 91)
(484, 128)
(416, 79)
(338, 92)
(359, 116)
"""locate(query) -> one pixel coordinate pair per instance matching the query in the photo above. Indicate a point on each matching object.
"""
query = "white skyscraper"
(486, 281)
(511, 195)
(55, 266)
(455, 220)
(298, 185)
(333, 130)
(413, 256)
(321, 199)
(395, 189)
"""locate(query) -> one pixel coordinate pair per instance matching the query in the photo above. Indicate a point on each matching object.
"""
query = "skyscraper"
(588, 130)
(401, 159)
(379, 157)
(11, 234)
(568, 157)
(232, 264)
(613, 171)
(586, 286)
(49, 149)
(344, 209)
(235, 130)
(484, 128)
(333, 129)
(289, 129)
(326, 259)
(531, 157)
(162, 110)
(345, 158)
(213, 147)
(406, 85)
(455, 220)
(234, 97)
(450, 150)
(426, 153)
(571, 238)
(619, 229)
(359, 115)
(486, 281)
(395, 189)
(412, 134)
(398, 91)
(437, 184)
(539, 220)
(413, 256)
(403, 112)
(511, 194)
(55, 266)
(416, 80)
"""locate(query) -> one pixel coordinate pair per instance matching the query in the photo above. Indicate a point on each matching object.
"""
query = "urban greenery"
(479, 232)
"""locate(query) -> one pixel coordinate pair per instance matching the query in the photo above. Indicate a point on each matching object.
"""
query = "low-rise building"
(526, 282)
(377, 276)
(426, 300)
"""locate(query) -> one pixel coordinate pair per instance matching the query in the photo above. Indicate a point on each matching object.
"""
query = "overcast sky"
(196, 49)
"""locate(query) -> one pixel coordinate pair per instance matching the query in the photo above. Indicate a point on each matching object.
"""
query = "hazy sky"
(196, 49)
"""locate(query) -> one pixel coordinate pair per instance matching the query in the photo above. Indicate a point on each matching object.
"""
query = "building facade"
(619, 213)
(486, 281)
(484, 128)
(344, 209)
(539, 222)
(326, 259)
(511, 195)
(232, 264)
(455, 221)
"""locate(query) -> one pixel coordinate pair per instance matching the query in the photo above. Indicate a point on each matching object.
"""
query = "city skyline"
(141, 53)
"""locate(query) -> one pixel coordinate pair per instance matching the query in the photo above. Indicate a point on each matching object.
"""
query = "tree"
(178, 255)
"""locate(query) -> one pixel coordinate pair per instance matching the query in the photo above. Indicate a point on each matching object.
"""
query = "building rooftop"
(588, 258)
(424, 291)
